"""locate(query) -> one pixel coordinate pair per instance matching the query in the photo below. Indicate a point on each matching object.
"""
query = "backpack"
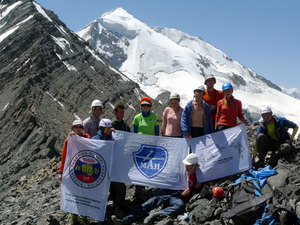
(246, 201)
(278, 215)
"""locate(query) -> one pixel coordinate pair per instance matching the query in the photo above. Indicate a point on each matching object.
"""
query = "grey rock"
(278, 180)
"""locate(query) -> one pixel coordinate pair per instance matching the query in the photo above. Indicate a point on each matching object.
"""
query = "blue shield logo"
(150, 160)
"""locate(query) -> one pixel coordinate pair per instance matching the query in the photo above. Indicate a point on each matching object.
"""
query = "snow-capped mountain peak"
(167, 60)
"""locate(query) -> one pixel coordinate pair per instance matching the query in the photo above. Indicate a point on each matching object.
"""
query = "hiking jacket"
(186, 120)
(91, 125)
(227, 114)
(212, 98)
(121, 125)
(146, 123)
(281, 128)
(101, 136)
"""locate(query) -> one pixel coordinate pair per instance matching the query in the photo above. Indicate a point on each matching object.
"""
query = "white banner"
(85, 184)
(222, 154)
(149, 160)
(144, 160)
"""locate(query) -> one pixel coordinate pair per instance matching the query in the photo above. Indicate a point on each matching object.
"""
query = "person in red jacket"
(228, 110)
(77, 129)
(173, 201)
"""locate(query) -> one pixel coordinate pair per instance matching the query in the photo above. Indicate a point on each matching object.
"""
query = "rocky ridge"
(48, 78)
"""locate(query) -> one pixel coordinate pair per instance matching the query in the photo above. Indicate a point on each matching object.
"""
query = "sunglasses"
(78, 127)
(265, 115)
(145, 105)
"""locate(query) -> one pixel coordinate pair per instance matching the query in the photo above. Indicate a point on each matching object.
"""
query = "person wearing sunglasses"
(105, 129)
(272, 135)
(77, 129)
(146, 122)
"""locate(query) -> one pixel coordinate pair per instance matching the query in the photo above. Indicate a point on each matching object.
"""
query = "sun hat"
(191, 159)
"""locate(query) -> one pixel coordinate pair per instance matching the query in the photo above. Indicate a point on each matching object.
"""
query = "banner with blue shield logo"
(222, 154)
(85, 183)
(149, 160)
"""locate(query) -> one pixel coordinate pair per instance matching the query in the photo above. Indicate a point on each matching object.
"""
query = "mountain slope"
(167, 60)
(48, 77)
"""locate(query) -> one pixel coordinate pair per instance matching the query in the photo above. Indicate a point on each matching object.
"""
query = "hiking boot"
(116, 221)
(73, 219)
(85, 220)
(119, 213)
(259, 164)
(273, 160)
(154, 217)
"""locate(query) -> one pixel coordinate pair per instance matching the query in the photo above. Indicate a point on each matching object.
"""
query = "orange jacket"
(212, 98)
(64, 152)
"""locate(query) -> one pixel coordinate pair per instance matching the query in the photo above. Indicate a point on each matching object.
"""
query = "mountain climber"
(119, 189)
(77, 129)
(196, 117)
(212, 96)
(119, 123)
(171, 117)
(172, 200)
(145, 122)
(228, 110)
(272, 135)
(105, 129)
(91, 124)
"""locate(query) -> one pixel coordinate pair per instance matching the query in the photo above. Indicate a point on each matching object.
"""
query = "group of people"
(209, 111)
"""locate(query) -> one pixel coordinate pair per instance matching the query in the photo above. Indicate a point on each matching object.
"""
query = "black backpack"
(246, 201)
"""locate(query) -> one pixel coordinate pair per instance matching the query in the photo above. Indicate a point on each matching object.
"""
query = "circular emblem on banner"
(87, 169)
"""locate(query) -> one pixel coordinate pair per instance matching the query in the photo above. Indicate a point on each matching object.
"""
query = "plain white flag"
(222, 153)
(85, 183)
(148, 160)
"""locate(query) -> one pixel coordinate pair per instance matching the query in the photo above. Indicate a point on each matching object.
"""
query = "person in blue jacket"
(272, 135)
(105, 129)
(196, 118)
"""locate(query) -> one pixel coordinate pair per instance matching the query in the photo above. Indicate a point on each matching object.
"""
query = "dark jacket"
(186, 118)
(281, 128)
(101, 136)
(121, 125)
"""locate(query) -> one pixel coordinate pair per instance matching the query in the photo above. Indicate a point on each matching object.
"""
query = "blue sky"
(262, 35)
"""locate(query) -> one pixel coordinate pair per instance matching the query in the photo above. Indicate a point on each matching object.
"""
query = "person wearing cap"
(212, 96)
(172, 200)
(196, 117)
(171, 117)
(77, 129)
(91, 124)
(272, 135)
(146, 122)
(229, 109)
